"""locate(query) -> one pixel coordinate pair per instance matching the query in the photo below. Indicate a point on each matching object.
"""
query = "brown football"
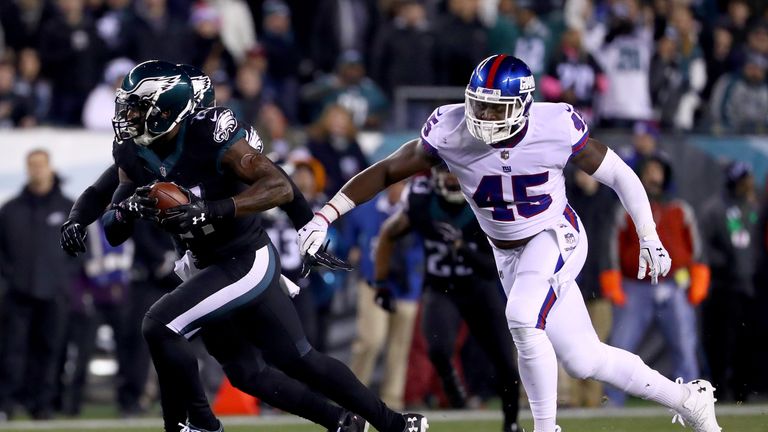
(168, 196)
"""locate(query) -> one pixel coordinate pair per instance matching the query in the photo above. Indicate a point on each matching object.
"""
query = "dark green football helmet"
(155, 97)
(205, 97)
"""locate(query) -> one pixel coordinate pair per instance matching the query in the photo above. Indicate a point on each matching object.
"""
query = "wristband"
(336, 207)
(222, 209)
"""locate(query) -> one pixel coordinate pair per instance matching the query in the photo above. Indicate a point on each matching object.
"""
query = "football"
(168, 195)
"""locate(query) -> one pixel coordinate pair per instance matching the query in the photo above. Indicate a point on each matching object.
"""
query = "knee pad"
(523, 309)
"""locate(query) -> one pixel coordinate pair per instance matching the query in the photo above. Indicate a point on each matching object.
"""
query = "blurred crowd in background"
(311, 75)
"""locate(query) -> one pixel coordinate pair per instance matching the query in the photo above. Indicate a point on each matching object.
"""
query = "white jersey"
(516, 188)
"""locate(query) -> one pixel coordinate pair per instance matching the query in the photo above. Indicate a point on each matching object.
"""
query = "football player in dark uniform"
(242, 362)
(228, 183)
(460, 282)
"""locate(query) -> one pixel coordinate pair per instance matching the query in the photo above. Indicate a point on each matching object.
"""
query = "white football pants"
(549, 322)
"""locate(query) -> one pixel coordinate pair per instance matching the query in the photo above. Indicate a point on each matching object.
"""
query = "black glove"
(138, 206)
(325, 259)
(199, 212)
(384, 297)
(73, 238)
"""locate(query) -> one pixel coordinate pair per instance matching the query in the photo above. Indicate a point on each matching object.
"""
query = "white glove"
(312, 235)
(654, 259)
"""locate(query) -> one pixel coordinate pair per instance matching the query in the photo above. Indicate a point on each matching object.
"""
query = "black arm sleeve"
(95, 199)
(298, 210)
(118, 230)
(480, 260)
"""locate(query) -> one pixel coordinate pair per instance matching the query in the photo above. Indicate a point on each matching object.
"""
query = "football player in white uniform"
(509, 153)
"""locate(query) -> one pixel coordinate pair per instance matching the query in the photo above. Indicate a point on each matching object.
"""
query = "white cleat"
(698, 408)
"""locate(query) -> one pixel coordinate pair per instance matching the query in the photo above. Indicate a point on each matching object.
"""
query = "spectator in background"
(100, 298)
(377, 327)
(404, 45)
(757, 40)
(594, 203)
(222, 87)
(115, 27)
(352, 89)
(72, 57)
(22, 21)
(670, 304)
(209, 52)
(250, 98)
(333, 141)
(38, 276)
(238, 33)
(32, 89)
(625, 57)
(503, 33)
(645, 136)
(740, 100)
(97, 113)
(574, 77)
(158, 34)
(284, 57)
(341, 26)
(678, 72)
(721, 56)
(533, 41)
(462, 43)
(275, 133)
(12, 108)
(736, 20)
(731, 235)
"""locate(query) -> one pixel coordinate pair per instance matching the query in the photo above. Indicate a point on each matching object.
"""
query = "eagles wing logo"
(254, 140)
(151, 88)
(225, 124)
(200, 85)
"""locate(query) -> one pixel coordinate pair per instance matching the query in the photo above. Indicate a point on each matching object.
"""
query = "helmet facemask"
(492, 118)
(447, 185)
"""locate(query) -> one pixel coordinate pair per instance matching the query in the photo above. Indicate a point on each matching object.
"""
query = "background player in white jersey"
(509, 154)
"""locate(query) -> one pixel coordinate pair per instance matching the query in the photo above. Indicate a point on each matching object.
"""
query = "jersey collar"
(514, 139)
(164, 167)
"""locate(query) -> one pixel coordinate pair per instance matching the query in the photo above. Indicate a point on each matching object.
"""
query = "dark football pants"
(481, 306)
(245, 289)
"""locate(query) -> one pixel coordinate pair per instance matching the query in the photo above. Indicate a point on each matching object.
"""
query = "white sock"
(538, 371)
(628, 372)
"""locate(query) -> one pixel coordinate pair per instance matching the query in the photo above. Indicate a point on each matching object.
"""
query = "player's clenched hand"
(312, 235)
(138, 206)
(654, 259)
(384, 297)
(73, 238)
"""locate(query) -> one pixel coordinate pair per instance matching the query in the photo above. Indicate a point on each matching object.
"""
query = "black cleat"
(190, 428)
(415, 423)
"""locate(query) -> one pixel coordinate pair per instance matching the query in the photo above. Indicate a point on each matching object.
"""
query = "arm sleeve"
(298, 210)
(617, 175)
(118, 230)
(95, 199)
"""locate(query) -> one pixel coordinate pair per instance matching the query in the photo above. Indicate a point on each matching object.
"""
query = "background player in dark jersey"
(242, 362)
(208, 155)
(460, 281)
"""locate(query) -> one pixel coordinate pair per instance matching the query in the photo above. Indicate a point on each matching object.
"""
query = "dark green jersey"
(195, 163)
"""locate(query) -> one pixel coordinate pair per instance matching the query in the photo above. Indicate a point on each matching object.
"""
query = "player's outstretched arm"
(392, 229)
(408, 160)
(269, 187)
(607, 167)
(87, 208)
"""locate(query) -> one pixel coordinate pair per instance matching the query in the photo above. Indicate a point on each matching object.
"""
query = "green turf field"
(741, 423)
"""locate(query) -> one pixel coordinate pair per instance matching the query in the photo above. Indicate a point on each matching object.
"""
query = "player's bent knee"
(154, 330)
(522, 309)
